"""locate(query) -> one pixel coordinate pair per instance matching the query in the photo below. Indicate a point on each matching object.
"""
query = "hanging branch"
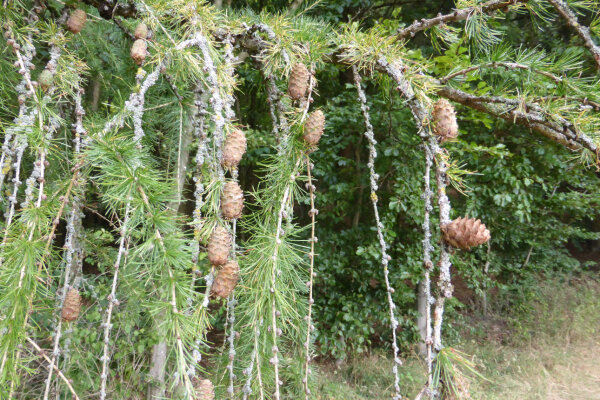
(581, 30)
(254, 358)
(444, 282)
(112, 298)
(72, 239)
(231, 301)
(198, 121)
(385, 258)
(457, 15)
(305, 104)
(313, 239)
(25, 119)
(216, 100)
(427, 263)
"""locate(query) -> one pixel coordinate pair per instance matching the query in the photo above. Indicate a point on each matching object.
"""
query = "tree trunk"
(156, 386)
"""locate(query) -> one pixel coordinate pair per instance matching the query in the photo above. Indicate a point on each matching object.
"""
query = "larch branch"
(582, 31)
(457, 15)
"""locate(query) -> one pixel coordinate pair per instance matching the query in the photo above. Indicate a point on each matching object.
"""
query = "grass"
(548, 350)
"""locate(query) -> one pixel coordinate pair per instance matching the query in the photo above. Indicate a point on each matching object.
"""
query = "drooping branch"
(385, 258)
(427, 263)
(457, 15)
(581, 30)
(313, 240)
(444, 283)
(112, 299)
(71, 240)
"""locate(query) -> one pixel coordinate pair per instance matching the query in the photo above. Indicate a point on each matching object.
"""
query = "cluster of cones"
(298, 87)
(232, 205)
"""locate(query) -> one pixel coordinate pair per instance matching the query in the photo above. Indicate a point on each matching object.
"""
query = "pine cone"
(138, 51)
(204, 389)
(298, 82)
(226, 280)
(313, 128)
(76, 21)
(45, 79)
(219, 246)
(72, 305)
(444, 118)
(232, 200)
(465, 233)
(234, 149)
(141, 31)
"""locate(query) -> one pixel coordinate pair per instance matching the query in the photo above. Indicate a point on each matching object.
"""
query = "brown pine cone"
(219, 246)
(298, 82)
(444, 119)
(72, 305)
(226, 279)
(234, 149)
(141, 31)
(313, 128)
(138, 51)
(465, 233)
(76, 21)
(204, 389)
(232, 200)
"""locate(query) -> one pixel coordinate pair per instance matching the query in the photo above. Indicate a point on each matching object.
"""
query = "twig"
(58, 371)
(582, 31)
(456, 15)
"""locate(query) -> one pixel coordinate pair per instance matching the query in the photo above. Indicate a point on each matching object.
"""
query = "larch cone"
(465, 233)
(226, 279)
(314, 127)
(204, 389)
(139, 50)
(234, 149)
(298, 82)
(72, 305)
(76, 21)
(219, 245)
(45, 79)
(444, 118)
(141, 31)
(232, 200)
